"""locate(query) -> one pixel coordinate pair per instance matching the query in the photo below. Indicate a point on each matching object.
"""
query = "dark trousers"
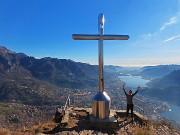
(129, 106)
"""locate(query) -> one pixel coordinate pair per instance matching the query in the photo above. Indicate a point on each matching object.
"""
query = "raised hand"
(123, 86)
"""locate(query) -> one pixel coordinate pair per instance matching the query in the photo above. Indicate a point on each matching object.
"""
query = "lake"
(134, 81)
(173, 114)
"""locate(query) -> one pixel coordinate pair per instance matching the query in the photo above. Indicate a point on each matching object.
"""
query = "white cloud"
(172, 38)
(172, 21)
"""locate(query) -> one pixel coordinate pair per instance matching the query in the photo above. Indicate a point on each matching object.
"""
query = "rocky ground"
(15, 116)
(28, 120)
(79, 125)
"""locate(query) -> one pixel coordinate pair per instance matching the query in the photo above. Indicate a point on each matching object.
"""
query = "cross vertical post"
(100, 46)
(101, 101)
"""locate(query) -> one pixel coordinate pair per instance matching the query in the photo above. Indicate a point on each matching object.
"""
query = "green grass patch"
(6, 107)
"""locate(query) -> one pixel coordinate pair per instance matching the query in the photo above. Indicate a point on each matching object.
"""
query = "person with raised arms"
(129, 97)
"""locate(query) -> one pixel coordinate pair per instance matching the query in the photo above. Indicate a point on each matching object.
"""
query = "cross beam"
(100, 109)
(97, 37)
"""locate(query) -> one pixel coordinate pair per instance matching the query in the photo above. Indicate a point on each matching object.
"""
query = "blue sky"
(44, 28)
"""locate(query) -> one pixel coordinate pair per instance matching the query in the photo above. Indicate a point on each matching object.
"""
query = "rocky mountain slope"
(152, 72)
(37, 81)
(166, 88)
(62, 72)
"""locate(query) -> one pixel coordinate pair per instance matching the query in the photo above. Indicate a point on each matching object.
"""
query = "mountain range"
(22, 77)
(41, 81)
(152, 72)
(166, 88)
(61, 72)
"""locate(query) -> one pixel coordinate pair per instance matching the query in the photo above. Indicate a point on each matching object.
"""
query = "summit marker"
(101, 101)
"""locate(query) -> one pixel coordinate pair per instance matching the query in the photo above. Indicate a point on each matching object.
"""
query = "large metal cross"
(101, 101)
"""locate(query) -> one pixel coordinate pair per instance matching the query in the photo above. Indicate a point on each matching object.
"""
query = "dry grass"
(163, 123)
(148, 129)
(142, 131)
(4, 131)
(39, 128)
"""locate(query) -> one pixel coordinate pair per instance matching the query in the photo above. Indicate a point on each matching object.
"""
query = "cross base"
(101, 105)
(110, 122)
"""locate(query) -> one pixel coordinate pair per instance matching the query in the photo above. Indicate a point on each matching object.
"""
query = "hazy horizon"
(121, 65)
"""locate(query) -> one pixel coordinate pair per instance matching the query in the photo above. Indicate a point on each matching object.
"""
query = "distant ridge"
(166, 88)
(50, 69)
(31, 81)
(152, 72)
